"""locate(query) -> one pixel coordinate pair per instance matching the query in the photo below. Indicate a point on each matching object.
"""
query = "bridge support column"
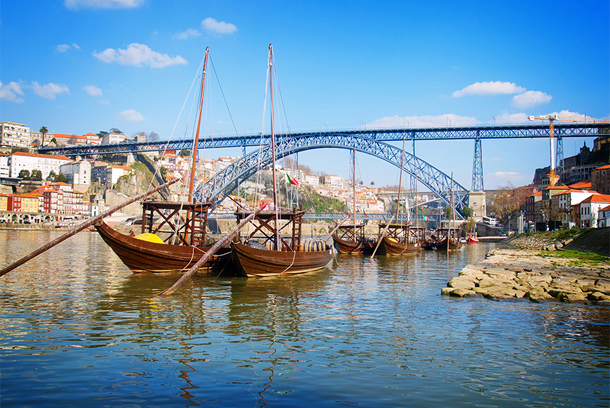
(559, 156)
(477, 166)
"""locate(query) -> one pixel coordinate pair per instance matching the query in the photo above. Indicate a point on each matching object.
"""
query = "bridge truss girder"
(227, 180)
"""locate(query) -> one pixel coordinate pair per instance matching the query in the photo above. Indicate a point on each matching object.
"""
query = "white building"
(5, 170)
(566, 200)
(32, 161)
(77, 172)
(114, 172)
(333, 182)
(589, 209)
(311, 180)
(113, 138)
(14, 135)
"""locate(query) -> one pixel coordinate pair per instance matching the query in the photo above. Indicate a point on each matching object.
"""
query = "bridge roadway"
(337, 216)
(532, 131)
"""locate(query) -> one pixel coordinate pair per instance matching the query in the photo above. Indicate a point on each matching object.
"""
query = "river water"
(77, 328)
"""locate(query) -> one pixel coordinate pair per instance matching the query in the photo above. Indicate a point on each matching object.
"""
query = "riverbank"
(512, 273)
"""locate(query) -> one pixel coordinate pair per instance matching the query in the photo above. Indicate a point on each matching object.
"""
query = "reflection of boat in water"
(183, 224)
(276, 254)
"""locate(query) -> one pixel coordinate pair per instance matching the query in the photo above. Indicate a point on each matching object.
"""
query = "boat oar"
(82, 226)
(209, 253)
(382, 235)
(336, 228)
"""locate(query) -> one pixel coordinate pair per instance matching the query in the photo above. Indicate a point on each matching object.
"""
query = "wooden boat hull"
(254, 262)
(350, 247)
(448, 244)
(389, 246)
(143, 256)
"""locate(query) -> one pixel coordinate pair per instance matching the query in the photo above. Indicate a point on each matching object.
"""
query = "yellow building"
(29, 203)
(3, 202)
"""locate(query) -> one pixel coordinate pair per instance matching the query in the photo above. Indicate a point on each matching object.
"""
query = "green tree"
(43, 132)
(51, 177)
(24, 174)
(184, 153)
(36, 175)
(61, 178)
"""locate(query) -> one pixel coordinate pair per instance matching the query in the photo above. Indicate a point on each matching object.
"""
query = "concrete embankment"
(513, 273)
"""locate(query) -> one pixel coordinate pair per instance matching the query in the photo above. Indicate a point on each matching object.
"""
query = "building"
(311, 180)
(600, 179)
(333, 182)
(14, 135)
(32, 161)
(532, 202)
(65, 139)
(478, 204)
(5, 170)
(113, 138)
(113, 172)
(3, 202)
(564, 201)
(589, 209)
(77, 172)
(603, 219)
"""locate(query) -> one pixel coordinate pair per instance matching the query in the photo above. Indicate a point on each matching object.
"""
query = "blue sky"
(78, 66)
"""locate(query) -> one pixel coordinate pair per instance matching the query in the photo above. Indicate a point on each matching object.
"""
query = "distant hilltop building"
(14, 135)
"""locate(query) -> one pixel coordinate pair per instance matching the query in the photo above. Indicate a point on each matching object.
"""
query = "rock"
(463, 293)
(461, 282)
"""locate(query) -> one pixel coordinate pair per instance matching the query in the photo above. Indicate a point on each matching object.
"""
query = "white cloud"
(530, 98)
(217, 27)
(92, 90)
(50, 90)
(131, 115)
(66, 47)
(102, 4)
(189, 33)
(489, 88)
(10, 92)
(509, 118)
(138, 55)
(445, 120)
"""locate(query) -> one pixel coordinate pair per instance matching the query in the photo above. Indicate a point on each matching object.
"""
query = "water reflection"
(79, 328)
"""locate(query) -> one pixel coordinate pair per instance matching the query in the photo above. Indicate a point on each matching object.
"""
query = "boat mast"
(196, 141)
(275, 203)
(402, 161)
(354, 190)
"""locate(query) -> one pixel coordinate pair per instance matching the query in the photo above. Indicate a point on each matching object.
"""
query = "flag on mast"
(291, 180)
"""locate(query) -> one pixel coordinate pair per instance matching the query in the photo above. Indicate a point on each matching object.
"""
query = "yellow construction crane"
(552, 118)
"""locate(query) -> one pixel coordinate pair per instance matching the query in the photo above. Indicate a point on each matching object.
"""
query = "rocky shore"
(526, 274)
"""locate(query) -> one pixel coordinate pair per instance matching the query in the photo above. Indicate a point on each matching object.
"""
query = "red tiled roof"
(44, 156)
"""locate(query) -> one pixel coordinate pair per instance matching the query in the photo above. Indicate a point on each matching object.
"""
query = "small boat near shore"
(400, 239)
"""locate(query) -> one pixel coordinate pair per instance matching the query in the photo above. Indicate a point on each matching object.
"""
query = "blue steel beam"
(226, 181)
(388, 135)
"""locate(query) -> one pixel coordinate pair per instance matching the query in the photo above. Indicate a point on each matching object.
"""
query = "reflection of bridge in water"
(372, 142)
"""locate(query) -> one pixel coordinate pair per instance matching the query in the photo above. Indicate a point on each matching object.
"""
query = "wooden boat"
(141, 255)
(277, 249)
(350, 238)
(400, 239)
(183, 226)
(274, 254)
(472, 239)
(448, 239)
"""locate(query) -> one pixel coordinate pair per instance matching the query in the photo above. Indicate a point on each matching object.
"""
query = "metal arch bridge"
(227, 180)
(476, 133)
(416, 134)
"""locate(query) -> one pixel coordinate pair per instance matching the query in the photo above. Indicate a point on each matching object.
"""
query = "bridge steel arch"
(227, 180)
